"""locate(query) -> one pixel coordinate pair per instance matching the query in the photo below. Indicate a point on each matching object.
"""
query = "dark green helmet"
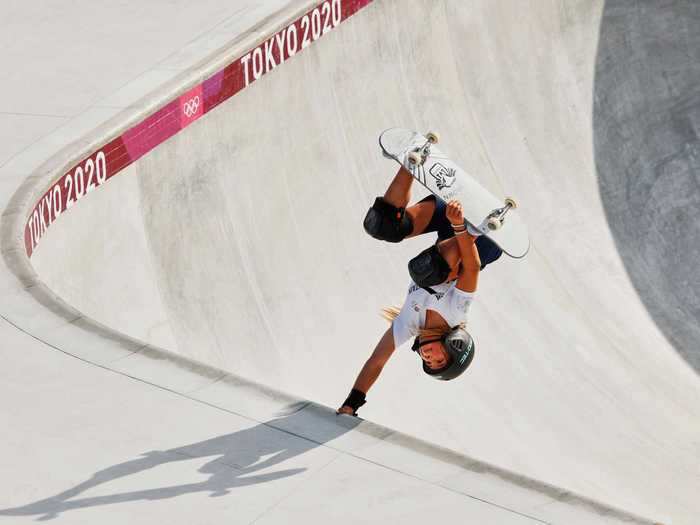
(460, 348)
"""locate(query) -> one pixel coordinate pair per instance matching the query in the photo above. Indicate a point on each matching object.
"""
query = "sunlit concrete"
(238, 244)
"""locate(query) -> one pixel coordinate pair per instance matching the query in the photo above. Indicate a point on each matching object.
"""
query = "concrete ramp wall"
(238, 241)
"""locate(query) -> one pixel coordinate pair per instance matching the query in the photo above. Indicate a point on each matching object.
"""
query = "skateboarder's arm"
(468, 277)
(373, 366)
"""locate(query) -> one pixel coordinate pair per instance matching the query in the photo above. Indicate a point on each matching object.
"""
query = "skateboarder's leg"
(399, 191)
(429, 216)
(437, 264)
(429, 268)
(435, 210)
(422, 214)
(442, 261)
(450, 252)
(387, 219)
(488, 250)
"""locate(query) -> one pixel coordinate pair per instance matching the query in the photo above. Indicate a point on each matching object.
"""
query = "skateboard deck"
(496, 218)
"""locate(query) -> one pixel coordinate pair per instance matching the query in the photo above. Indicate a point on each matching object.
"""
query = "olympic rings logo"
(190, 107)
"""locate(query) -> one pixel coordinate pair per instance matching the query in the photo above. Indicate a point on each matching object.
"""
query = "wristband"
(355, 400)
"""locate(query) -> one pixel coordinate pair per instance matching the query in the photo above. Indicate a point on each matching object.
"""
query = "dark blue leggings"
(488, 251)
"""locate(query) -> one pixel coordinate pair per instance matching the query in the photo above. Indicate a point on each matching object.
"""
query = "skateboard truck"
(496, 217)
(417, 156)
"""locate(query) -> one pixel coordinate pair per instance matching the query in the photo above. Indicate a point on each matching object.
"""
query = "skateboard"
(493, 217)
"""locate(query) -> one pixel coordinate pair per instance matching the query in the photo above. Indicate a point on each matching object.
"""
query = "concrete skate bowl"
(232, 236)
(646, 123)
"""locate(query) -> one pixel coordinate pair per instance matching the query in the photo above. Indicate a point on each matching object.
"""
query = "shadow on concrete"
(646, 123)
(235, 458)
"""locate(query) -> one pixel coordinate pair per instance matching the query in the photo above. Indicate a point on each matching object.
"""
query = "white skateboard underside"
(448, 181)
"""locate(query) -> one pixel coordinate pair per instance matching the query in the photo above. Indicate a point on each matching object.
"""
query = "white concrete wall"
(239, 243)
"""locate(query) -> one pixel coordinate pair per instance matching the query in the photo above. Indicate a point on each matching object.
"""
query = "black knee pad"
(387, 223)
(429, 268)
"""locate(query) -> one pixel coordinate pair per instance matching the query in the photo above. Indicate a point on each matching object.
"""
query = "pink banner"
(93, 171)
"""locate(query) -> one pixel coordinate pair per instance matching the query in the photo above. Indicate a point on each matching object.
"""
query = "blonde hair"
(390, 313)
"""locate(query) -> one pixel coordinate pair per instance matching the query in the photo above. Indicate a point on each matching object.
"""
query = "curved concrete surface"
(646, 120)
(238, 243)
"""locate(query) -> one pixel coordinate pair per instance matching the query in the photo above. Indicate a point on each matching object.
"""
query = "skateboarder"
(390, 220)
(444, 278)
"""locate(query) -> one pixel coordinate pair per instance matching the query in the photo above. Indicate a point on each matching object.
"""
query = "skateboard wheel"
(513, 203)
(415, 158)
(433, 138)
(494, 224)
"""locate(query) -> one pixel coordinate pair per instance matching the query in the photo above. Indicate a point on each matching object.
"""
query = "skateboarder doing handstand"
(444, 281)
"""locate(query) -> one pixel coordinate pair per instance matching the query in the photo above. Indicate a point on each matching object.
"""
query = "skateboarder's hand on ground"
(454, 213)
(345, 410)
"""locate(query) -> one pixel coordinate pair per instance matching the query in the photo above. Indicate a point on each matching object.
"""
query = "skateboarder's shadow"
(234, 457)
